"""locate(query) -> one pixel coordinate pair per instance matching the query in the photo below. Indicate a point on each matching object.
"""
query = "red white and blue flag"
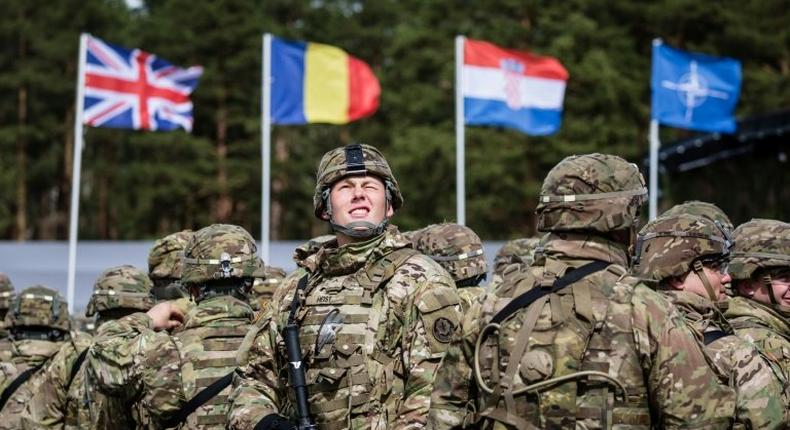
(135, 89)
(514, 89)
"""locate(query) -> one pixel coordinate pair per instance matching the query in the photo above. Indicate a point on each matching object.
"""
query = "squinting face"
(359, 198)
(716, 277)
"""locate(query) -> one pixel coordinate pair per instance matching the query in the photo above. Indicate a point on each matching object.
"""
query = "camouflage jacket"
(764, 327)
(759, 387)
(603, 335)
(63, 402)
(113, 357)
(374, 366)
(5, 349)
(26, 354)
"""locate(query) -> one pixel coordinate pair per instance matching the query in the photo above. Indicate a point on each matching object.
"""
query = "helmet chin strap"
(768, 282)
(357, 229)
(705, 281)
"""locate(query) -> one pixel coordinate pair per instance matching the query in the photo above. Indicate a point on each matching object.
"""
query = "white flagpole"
(75, 173)
(654, 146)
(460, 173)
(266, 151)
(653, 191)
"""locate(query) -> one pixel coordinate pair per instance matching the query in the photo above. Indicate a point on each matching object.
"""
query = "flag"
(694, 91)
(134, 89)
(313, 82)
(514, 89)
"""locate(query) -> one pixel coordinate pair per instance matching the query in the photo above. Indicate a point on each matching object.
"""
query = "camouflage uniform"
(168, 369)
(761, 246)
(374, 322)
(165, 265)
(39, 325)
(512, 256)
(6, 297)
(459, 250)
(672, 246)
(66, 397)
(603, 351)
(263, 288)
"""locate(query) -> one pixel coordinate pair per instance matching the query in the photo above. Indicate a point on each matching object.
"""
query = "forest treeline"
(142, 185)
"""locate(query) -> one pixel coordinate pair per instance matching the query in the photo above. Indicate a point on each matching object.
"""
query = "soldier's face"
(780, 283)
(717, 278)
(359, 198)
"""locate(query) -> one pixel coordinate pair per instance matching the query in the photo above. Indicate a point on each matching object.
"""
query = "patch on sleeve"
(443, 330)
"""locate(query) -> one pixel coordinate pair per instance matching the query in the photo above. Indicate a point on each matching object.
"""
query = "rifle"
(296, 372)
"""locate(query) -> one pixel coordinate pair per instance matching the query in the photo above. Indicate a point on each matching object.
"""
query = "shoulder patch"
(443, 330)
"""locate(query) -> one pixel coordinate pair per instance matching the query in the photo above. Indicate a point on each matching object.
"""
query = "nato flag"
(694, 91)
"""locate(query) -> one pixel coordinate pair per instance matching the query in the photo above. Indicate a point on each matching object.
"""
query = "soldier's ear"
(324, 216)
(676, 283)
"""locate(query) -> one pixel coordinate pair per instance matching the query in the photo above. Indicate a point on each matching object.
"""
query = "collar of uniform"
(33, 352)
(693, 305)
(741, 307)
(577, 246)
(336, 260)
(215, 308)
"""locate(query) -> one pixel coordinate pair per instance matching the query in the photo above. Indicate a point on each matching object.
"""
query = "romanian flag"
(313, 82)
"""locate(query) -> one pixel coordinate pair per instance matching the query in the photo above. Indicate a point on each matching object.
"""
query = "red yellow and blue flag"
(317, 83)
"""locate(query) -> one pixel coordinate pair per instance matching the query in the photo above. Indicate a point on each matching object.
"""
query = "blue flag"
(694, 91)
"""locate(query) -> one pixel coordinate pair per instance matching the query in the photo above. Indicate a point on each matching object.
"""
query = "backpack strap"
(384, 268)
(712, 336)
(76, 366)
(198, 400)
(534, 294)
(21, 379)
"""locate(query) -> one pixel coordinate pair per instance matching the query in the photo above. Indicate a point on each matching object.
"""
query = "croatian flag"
(514, 89)
(317, 83)
(130, 88)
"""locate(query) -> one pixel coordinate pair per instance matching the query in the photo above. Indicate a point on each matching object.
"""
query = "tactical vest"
(565, 361)
(206, 353)
(350, 334)
(11, 413)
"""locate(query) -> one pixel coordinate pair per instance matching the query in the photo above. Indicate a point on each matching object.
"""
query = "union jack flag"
(135, 89)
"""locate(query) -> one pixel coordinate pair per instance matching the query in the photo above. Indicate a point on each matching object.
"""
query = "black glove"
(275, 422)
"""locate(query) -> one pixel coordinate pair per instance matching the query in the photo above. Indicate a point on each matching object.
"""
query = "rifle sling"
(21, 379)
(199, 400)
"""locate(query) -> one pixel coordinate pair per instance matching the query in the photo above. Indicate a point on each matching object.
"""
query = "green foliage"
(139, 185)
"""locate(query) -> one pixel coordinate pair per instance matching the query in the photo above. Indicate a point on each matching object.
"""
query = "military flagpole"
(655, 144)
(460, 137)
(75, 173)
(266, 84)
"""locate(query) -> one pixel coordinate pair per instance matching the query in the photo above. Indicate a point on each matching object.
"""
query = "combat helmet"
(263, 288)
(520, 250)
(593, 192)
(218, 256)
(6, 294)
(38, 312)
(119, 291)
(673, 245)
(457, 248)
(761, 246)
(165, 265)
(703, 209)
(352, 160)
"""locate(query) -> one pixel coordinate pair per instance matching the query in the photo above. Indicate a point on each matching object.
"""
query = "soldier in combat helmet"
(685, 257)
(66, 398)
(6, 298)
(374, 316)
(760, 268)
(573, 342)
(38, 322)
(173, 370)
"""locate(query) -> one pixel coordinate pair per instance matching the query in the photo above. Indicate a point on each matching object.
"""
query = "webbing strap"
(530, 296)
(198, 400)
(76, 366)
(296, 301)
(21, 379)
(712, 336)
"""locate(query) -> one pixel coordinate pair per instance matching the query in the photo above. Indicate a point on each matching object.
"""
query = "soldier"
(760, 268)
(183, 377)
(264, 288)
(165, 265)
(38, 322)
(459, 250)
(373, 316)
(703, 209)
(511, 256)
(66, 398)
(685, 257)
(6, 298)
(572, 342)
